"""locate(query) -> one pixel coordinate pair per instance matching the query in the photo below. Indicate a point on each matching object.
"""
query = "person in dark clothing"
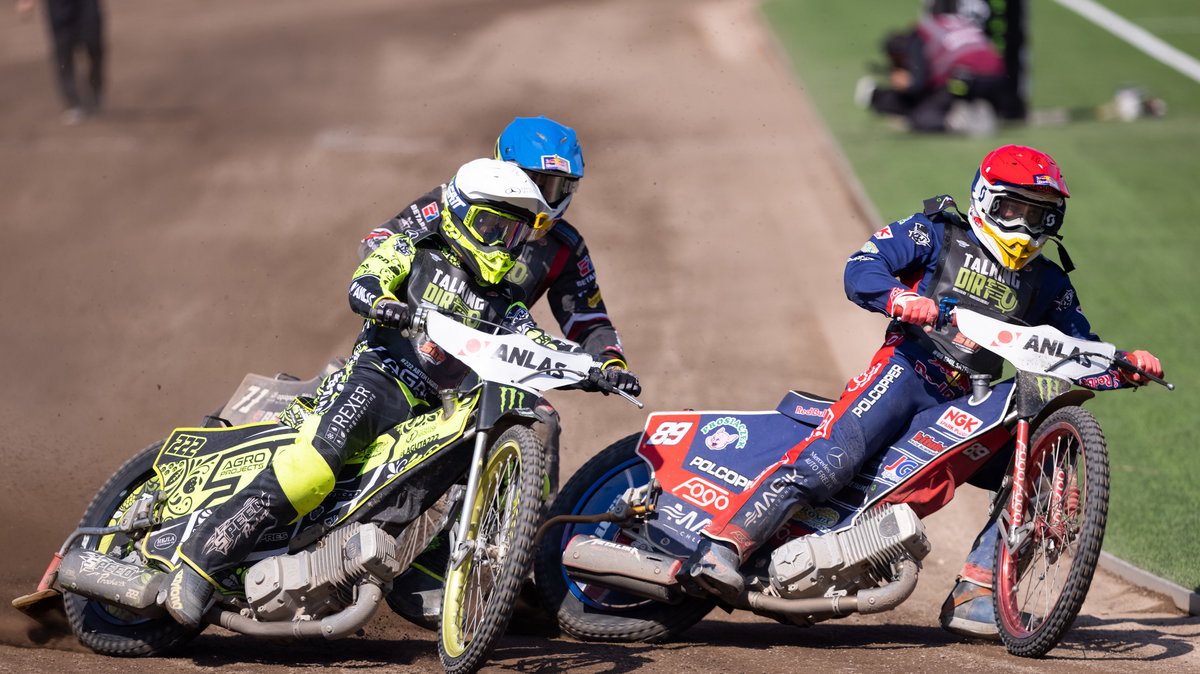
(945, 75)
(75, 25)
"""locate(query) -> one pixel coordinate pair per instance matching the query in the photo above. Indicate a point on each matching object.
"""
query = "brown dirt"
(206, 224)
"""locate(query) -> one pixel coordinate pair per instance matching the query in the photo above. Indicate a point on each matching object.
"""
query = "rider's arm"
(1065, 313)
(575, 300)
(897, 259)
(414, 219)
(382, 274)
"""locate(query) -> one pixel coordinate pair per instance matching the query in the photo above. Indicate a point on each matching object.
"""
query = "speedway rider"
(486, 211)
(988, 262)
(554, 263)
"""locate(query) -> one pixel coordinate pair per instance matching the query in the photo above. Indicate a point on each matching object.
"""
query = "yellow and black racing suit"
(389, 378)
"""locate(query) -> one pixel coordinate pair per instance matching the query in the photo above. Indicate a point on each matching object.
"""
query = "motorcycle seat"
(807, 408)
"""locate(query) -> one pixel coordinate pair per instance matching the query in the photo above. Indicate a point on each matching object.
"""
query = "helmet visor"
(1015, 215)
(495, 228)
(555, 187)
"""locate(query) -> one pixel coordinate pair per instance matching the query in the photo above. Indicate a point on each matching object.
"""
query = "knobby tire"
(1041, 585)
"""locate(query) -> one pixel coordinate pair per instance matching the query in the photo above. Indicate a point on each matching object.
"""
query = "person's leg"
(354, 406)
(968, 610)
(866, 416)
(91, 33)
(60, 17)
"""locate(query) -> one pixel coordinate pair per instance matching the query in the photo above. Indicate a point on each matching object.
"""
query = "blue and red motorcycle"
(622, 526)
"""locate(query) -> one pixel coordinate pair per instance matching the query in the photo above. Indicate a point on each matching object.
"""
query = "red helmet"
(1018, 200)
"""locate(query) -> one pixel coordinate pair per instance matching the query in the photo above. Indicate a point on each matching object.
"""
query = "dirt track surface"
(206, 225)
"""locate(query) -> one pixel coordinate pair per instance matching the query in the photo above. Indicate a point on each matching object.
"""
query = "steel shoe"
(968, 612)
(188, 596)
(713, 568)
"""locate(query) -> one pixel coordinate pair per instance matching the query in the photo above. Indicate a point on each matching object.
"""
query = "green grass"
(1131, 222)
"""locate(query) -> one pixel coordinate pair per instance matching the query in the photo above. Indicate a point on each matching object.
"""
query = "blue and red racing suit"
(935, 254)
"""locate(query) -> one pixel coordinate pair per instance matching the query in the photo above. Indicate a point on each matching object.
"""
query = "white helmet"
(488, 209)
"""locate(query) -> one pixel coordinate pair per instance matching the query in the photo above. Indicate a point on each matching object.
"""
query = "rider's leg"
(968, 610)
(355, 405)
(868, 413)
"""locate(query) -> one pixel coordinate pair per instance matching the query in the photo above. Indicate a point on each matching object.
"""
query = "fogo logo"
(959, 422)
(703, 493)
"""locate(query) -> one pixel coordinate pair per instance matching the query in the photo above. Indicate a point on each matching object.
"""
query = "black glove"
(391, 314)
(622, 380)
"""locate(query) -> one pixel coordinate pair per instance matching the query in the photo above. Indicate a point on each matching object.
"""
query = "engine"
(316, 582)
(849, 560)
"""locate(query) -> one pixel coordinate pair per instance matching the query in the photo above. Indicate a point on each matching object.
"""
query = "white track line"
(1134, 35)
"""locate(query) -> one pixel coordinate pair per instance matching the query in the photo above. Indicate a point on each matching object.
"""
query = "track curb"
(1183, 598)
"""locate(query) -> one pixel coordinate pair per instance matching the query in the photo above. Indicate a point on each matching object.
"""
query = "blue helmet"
(549, 152)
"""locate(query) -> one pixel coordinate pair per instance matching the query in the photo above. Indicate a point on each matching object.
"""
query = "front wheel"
(107, 629)
(481, 590)
(1041, 581)
(593, 613)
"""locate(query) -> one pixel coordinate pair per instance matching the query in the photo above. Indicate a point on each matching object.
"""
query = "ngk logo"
(703, 493)
(959, 422)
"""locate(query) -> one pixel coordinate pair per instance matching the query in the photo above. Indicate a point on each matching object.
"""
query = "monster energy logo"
(1049, 388)
(511, 398)
(185, 445)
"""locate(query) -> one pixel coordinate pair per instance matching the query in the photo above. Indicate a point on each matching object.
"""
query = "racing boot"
(188, 596)
(968, 611)
(713, 568)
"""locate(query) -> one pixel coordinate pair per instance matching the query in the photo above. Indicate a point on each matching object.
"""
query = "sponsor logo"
(585, 265)
(553, 162)
(817, 519)
(721, 438)
(433, 353)
(899, 469)
(921, 439)
(883, 233)
(809, 411)
(959, 422)
(726, 475)
(703, 493)
(244, 463)
(511, 399)
(994, 292)
(352, 407)
(770, 498)
(692, 520)
(165, 541)
(920, 235)
(869, 247)
(594, 300)
(871, 397)
(429, 211)
(1065, 300)
(243, 524)
(1053, 347)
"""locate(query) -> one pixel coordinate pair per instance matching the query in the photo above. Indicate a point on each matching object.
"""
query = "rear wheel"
(106, 629)
(481, 590)
(1042, 580)
(593, 613)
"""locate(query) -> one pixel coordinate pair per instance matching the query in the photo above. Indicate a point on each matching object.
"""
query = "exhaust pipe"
(874, 600)
(336, 626)
(100, 577)
(602, 562)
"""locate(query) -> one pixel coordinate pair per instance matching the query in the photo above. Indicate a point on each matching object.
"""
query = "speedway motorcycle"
(476, 466)
(632, 514)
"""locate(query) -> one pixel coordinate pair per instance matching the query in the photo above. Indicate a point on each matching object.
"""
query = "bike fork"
(1016, 500)
(458, 542)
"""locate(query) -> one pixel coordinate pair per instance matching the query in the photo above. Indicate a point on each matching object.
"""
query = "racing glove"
(622, 380)
(910, 307)
(391, 314)
(1146, 361)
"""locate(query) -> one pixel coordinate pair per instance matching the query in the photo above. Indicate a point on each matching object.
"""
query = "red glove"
(910, 307)
(1146, 361)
